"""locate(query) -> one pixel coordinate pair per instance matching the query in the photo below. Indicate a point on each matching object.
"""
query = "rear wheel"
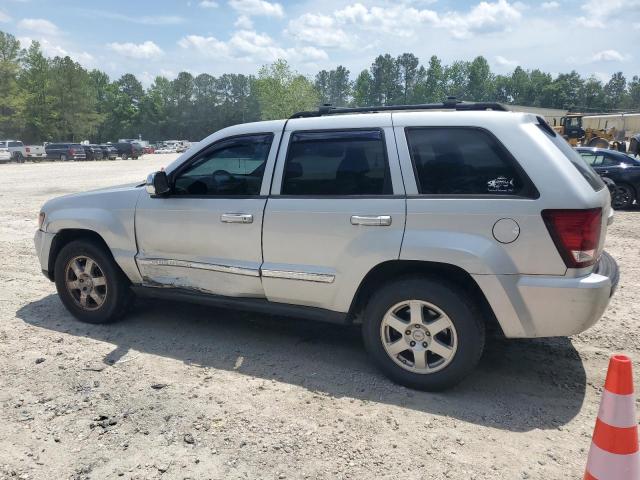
(90, 284)
(623, 197)
(423, 333)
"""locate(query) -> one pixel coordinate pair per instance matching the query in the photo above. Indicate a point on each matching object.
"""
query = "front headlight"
(41, 216)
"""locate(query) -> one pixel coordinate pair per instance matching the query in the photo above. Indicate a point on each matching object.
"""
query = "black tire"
(623, 196)
(118, 296)
(124, 156)
(19, 157)
(449, 298)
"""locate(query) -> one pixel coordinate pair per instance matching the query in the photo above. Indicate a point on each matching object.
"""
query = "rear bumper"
(529, 306)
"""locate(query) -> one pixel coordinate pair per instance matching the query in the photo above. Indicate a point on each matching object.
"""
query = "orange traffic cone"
(614, 452)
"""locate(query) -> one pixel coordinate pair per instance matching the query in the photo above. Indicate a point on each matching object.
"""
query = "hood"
(117, 197)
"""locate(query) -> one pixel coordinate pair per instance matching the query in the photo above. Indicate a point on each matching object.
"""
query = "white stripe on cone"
(617, 410)
(609, 466)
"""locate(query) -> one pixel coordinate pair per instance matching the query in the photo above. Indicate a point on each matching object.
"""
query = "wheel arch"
(68, 235)
(393, 269)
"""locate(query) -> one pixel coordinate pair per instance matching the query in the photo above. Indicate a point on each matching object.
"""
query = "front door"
(336, 211)
(206, 235)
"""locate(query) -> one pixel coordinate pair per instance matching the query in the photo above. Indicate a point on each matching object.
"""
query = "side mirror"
(157, 184)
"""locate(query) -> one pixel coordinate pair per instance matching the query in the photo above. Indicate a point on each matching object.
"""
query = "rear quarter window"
(464, 161)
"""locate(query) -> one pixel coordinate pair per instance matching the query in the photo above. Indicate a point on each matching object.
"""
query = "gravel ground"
(179, 391)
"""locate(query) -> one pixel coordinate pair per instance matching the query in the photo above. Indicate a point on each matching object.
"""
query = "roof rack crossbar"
(449, 104)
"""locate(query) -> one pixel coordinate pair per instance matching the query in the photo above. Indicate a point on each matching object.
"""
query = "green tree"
(12, 100)
(409, 70)
(362, 90)
(479, 80)
(431, 86)
(34, 81)
(385, 85)
(615, 92)
(592, 95)
(74, 117)
(634, 93)
(456, 78)
(282, 91)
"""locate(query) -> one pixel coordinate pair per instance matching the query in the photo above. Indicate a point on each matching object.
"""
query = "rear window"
(77, 146)
(332, 162)
(464, 161)
(15, 144)
(576, 160)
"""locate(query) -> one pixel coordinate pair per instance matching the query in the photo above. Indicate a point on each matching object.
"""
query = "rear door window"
(337, 163)
(464, 161)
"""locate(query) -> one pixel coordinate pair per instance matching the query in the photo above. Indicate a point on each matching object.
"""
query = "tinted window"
(15, 144)
(232, 167)
(592, 159)
(350, 162)
(462, 161)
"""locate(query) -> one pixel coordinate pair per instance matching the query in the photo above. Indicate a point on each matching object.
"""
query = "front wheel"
(90, 283)
(423, 334)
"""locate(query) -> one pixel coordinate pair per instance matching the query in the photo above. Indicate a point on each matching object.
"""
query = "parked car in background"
(165, 150)
(5, 155)
(109, 151)
(16, 148)
(65, 151)
(148, 149)
(620, 167)
(92, 152)
(420, 226)
(35, 152)
(128, 150)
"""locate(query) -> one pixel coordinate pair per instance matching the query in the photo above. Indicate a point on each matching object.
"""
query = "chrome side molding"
(250, 272)
(305, 276)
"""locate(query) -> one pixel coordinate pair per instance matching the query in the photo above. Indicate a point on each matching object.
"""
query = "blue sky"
(150, 38)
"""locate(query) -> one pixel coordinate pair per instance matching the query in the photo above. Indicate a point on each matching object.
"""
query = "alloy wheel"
(418, 336)
(86, 283)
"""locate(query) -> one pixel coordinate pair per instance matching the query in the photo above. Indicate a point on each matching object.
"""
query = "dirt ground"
(179, 391)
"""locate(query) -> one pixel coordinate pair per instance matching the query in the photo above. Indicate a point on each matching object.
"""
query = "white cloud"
(39, 25)
(257, 8)
(403, 20)
(589, 22)
(250, 46)
(4, 17)
(317, 29)
(550, 5)
(399, 20)
(483, 18)
(50, 49)
(208, 4)
(243, 23)
(608, 56)
(139, 19)
(208, 46)
(505, 62)
(146, 50)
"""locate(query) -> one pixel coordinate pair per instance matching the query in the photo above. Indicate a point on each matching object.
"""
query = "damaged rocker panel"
(250, 272)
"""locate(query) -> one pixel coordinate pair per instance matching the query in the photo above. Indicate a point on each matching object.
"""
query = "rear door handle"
(371, 220)
(236, 218)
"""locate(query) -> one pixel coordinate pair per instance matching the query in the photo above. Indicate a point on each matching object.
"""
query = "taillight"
(72, 151)
(28, 149)
(576, 234)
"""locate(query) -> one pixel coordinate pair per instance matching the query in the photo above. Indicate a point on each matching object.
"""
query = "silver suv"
(425, 226)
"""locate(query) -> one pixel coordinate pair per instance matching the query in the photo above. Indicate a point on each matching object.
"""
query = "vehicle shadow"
(519, 385)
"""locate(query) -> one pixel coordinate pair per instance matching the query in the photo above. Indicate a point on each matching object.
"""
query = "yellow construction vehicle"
(571, 128)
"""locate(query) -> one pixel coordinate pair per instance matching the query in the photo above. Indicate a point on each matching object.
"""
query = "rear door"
(336, 210)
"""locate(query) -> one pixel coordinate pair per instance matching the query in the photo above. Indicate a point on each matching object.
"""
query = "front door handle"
(236, 218)
(371, 220)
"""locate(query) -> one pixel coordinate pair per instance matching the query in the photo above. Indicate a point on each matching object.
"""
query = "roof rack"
(449, 104)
